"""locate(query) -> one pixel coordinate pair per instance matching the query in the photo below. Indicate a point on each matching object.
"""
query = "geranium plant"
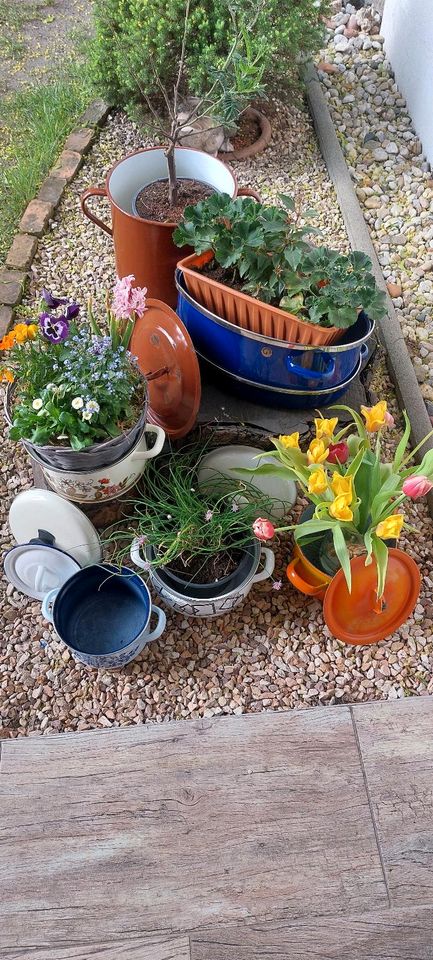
(356, 492)
(262, 251)
(329, 288)
(74, 381)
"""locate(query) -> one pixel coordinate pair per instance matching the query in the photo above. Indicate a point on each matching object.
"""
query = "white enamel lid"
(72, 532)
(35, 569)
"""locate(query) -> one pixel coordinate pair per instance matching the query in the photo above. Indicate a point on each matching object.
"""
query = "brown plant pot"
(247, 312)
(143, 247)
(260, 144)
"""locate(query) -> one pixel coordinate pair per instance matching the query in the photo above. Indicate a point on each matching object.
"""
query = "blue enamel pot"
(103, 613)
(267, 362)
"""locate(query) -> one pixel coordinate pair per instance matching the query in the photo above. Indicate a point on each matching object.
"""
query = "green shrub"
(136, 38)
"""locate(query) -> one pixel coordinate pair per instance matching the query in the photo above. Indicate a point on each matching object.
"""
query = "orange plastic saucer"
(164, 347)
(356, 617)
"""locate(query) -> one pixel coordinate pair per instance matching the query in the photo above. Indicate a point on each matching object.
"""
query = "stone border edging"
(39, 211)
(390, 333)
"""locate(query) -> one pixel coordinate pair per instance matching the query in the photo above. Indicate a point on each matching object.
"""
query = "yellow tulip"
(318, 481)
(325, 428)
(289, 440)
(375, 417)
(342, 486)
(317, 452)
(340, 509)
(390, 529)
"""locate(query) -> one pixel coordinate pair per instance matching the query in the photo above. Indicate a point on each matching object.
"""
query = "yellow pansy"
(342, 486)
(6, 376)
(317, 452)
(325, 428)
(289, 440)
(318, 481)
(340, 509)
(21, 332)
(390, 529)
(32, 330)
(375, 417)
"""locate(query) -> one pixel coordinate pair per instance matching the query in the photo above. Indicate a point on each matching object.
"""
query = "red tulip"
(338, 452)
(263, 529)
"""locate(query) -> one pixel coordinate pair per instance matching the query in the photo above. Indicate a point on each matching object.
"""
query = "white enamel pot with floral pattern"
(109, 482)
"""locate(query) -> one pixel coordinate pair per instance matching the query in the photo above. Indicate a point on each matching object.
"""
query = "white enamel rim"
(253, 577)
(145, 166)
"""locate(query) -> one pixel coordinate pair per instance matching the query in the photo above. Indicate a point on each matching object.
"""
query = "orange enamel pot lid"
(356, 617)
(164, 347)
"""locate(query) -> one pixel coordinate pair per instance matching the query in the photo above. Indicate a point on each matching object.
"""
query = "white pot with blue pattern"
(103, 615)
(208, 600)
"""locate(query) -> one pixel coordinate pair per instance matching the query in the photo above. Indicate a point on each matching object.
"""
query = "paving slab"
(175, 948)
(387, 935)
(169, 827)
(397, 753)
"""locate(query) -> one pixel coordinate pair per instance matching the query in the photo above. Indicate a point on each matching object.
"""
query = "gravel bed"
(392, 178)
(274, 652)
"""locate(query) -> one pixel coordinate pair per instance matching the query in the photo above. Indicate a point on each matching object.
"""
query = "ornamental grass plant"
(197, 530)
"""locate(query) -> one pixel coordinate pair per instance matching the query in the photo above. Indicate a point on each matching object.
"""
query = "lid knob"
(44, 537)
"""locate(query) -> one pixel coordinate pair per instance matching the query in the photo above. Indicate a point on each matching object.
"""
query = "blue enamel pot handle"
(307, 374)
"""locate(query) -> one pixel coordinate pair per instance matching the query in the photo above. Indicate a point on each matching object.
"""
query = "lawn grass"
(34, 123)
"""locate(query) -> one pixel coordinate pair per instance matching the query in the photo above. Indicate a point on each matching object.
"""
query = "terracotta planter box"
(249, 313)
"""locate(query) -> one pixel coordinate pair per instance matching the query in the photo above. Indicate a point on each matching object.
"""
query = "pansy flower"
(51, 301)
(54, 329)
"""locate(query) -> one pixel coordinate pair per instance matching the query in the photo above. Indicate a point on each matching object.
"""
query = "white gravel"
(392, 178)
(275, 652)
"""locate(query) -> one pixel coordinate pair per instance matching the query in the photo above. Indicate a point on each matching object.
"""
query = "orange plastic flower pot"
(359, 617)
(307, 578)
(247, 312)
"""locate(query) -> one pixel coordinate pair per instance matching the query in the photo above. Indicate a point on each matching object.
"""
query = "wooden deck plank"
(174, 949)
(397, 751)
(401, 934)
(177, 825)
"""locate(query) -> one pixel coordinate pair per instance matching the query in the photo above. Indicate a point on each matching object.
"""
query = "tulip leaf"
(358, 420)
(425, 468)
(310, 527)
(401, 448)
(388, 489)
(415, 451)
(380, 552)
(368, 540)
(268, 470)
(342, 552)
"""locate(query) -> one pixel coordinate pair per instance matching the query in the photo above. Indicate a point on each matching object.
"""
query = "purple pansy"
(52, 301)
(71, 311)
(54, 329)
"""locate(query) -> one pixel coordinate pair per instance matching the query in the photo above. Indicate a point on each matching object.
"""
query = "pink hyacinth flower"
(127, 299)
(417, 486)
(263, 529)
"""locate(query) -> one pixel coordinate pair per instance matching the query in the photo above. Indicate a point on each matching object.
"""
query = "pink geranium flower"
(128, 300)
